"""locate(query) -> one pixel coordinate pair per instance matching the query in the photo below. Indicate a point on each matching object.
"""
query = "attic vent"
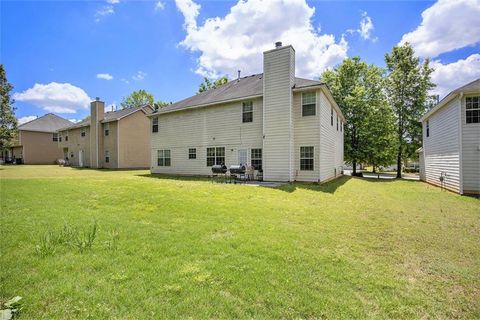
(278, 44)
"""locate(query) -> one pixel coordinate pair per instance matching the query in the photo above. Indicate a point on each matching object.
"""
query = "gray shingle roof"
(109, 116)
(46, 123)
(249, 86)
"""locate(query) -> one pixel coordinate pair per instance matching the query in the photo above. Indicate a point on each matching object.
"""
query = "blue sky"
(60, 54)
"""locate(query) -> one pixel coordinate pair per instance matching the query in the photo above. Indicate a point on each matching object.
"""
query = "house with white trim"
(450, 156)
(286, 128)
(115, 139)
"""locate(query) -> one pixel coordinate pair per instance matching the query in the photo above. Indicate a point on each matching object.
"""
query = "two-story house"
(37, 140)
(450, 156)
(288, 128)
(115, 139)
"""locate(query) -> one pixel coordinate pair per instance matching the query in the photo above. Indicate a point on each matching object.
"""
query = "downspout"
(118, 144)
(460, 144)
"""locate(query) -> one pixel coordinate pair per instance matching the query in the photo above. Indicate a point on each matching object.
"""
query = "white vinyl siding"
(215, 126)
(470, 153)
(278, 76)
(331, 142)
(306, 133)
(442, 148)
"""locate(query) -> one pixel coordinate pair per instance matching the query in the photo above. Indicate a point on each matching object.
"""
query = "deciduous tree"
(407, 85)
(8, 121)
(137, 99)
(358, 90)
(207, 84)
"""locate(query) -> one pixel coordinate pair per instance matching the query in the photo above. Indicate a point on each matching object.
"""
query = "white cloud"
(453, 75)
(125, 80)
(74, 120)
(366, 27)
(104, 11)
(55, 97)
(113, 1)
(236, 41)
(23, 120)
(446, 26)
(111, 107)
(159, 5)
(104, 76)
(139, 76)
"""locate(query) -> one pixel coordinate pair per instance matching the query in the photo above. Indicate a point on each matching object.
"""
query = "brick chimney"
(278, 81)
(97, 112)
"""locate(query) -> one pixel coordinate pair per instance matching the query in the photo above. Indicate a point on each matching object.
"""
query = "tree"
(137, 99)
(8, 121)
(407, 86)
(357, 89)
(160, 104)
(207, 84)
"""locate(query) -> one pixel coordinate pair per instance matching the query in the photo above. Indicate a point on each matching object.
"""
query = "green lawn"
(187, 248)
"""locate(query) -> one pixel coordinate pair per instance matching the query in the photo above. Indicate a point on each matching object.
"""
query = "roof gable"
(46, 123)
(472, 87)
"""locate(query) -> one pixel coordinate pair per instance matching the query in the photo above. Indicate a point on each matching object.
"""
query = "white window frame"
(244, 105)
(474, 106)
(312, 158)
(155, 124)
(164, 158)
(314, 103)
(192, 153)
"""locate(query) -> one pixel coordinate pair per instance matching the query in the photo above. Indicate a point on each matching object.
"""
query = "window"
(472, 105)
(155, 124)
(55, 136)
(163, 158)
(331, 117)
(59, 137)
(192, 153)
(106, 128)
(83, 132)
(107, 156)
(337, 122)
(215, 156)
(308, 103)
(256, 158)
(306, 158)
(428, 128)
(66, 138)
(341, 125)
(247, 112)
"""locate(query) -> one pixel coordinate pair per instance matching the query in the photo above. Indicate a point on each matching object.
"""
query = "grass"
(171, 247)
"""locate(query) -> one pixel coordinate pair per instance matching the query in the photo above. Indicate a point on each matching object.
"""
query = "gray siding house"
(450, 156)
(287, 128)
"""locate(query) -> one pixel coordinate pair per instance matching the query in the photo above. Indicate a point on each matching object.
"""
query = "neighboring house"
(37, 140)
(289, 128)
(450, 156)
(116, 139)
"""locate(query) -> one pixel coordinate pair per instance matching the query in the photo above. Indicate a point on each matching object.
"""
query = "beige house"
(37, 140)
(116, 139)
(450, 156)
(285, 128)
